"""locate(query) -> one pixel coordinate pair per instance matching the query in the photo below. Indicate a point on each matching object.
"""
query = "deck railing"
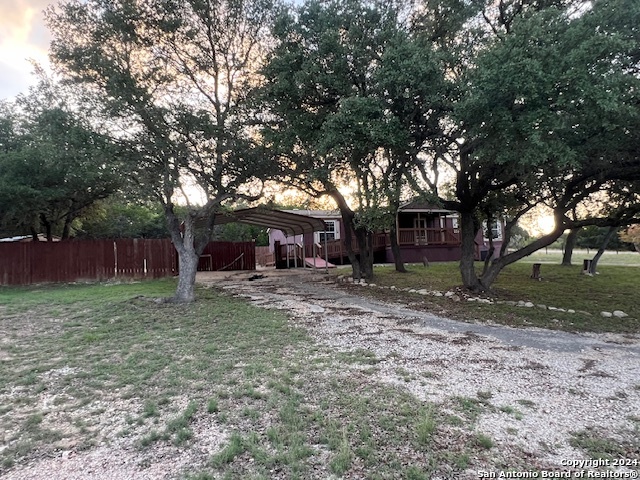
(337, 249)
(406, 237)
(428, 236)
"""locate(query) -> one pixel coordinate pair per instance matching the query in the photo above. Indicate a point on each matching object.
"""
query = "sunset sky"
(23, 36)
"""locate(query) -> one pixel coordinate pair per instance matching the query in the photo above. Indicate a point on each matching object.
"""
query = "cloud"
(13, 80)
(23, 36)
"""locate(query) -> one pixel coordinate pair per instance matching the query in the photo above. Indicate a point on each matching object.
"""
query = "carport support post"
(304, 254)
(295, 252)
(287, 249)
(326, 254)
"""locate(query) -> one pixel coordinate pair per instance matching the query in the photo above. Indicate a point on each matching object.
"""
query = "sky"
(23, 36)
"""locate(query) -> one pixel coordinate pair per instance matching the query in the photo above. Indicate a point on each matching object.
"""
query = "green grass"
(610, 257)
(600, 445)
(615, 288)
(290, 406)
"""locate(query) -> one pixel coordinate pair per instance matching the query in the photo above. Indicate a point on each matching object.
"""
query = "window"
(330, 232)
(495, 230)
(454, 224)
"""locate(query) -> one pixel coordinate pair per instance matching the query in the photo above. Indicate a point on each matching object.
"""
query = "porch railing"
(428, 236)
(406, 237)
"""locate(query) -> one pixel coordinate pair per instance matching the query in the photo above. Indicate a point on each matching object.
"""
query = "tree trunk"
(184, 240)
(365, 245)
(348, 217)
(66, 230)
(187, 269)
(468, 238)
(34, 235)
(605, 241)
(47, 227)
(569, 245)
(347, 220)
(490, 275)
(395, 249)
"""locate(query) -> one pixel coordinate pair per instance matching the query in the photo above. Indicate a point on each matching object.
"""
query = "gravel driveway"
(543, 384)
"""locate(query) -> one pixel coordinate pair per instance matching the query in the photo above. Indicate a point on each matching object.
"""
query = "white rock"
(606, 314)
(619, 314)
(471, 299)
(449, 294)
(571, 310)
(542, 306)
(437, 294)
(392, 287)
(423, 292)
(528, 304)
(372, 285)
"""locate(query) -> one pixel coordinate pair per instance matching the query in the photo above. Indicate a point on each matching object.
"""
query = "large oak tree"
(54, 165)
(546, 114)
(352, 97)
(172, 78)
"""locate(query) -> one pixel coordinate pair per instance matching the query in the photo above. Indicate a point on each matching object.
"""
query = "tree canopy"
(352, 98)
(489, 108)
(546, 102)
(53, 164)
(172, 78)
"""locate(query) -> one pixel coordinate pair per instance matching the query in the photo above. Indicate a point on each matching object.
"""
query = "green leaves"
(53, 167)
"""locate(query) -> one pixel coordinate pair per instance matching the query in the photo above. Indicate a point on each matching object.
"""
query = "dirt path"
(536, 388)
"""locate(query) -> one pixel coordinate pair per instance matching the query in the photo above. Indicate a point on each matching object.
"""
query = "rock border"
(459, 295)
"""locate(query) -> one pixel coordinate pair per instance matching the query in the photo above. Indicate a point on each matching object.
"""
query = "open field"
(101, 381)
(616, 287)
(610, 257)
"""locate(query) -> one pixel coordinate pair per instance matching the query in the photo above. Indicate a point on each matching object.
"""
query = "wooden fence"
(265, 257)
(40, 262)
(222, 256)
(94, 260)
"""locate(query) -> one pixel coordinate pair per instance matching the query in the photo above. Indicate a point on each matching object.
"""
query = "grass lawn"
(615, 288)
(88, 365)
(610, 257)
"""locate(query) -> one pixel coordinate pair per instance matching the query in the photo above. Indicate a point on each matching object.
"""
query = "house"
(423, 231)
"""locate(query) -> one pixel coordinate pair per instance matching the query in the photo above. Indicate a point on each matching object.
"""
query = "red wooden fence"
(39, 262)
(221, 256)
(264, 256)
(70, 261)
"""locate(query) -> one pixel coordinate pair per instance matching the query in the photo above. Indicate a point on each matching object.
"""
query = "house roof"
(289, 223)
(418, 206)
(316, 213)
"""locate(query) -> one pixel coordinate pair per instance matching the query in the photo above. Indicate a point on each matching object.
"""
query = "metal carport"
(291, 224)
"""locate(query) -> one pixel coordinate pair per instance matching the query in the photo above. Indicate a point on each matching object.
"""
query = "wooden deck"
(336, 250)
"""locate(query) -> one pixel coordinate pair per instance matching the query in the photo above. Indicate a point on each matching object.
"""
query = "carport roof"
(289, 223)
